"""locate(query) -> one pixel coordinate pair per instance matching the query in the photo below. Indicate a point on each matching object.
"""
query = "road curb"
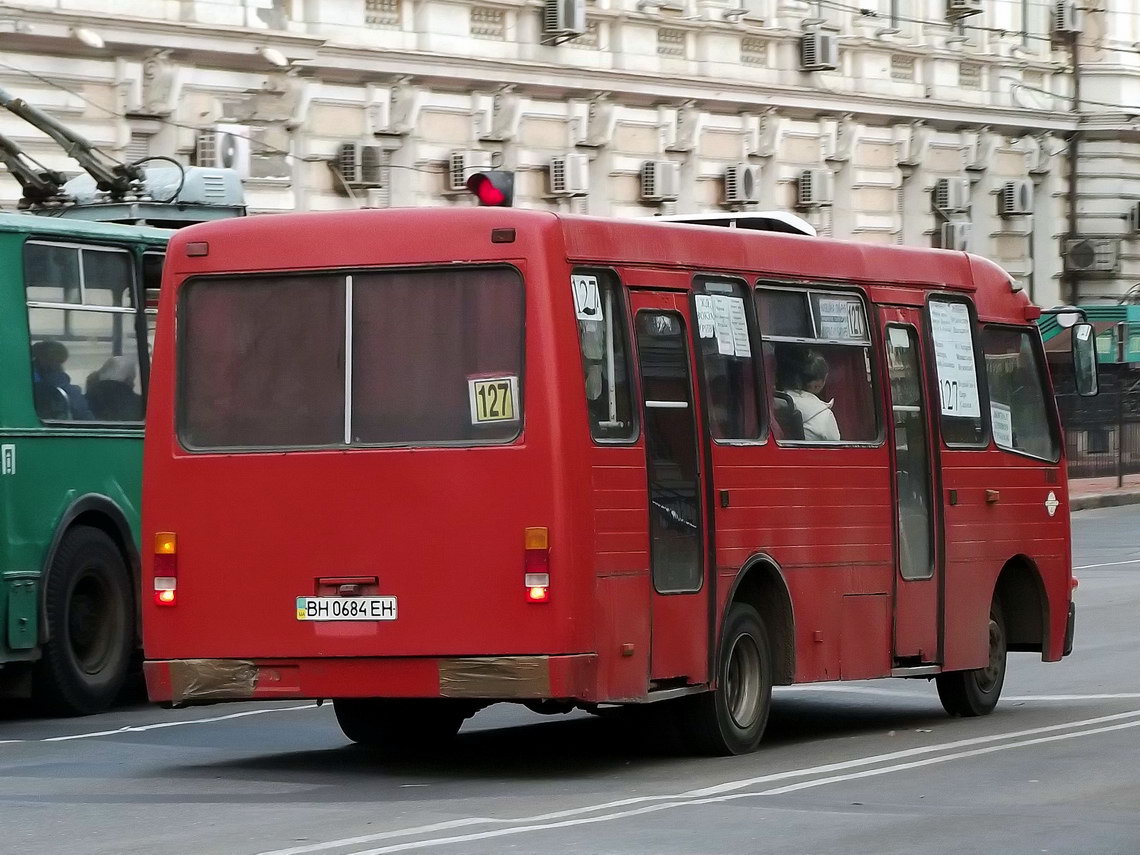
(1104, 500)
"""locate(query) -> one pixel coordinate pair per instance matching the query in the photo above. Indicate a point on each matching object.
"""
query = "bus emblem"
(7, 459)
(1051, 503)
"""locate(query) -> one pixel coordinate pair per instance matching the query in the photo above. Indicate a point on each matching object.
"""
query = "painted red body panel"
(442, 529)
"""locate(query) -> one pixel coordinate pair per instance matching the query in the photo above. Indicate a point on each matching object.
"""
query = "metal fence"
(1102, 434)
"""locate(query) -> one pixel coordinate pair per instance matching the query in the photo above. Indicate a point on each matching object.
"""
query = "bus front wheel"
(976, 692)
(91, 625)
(399, 725)
(731, 720)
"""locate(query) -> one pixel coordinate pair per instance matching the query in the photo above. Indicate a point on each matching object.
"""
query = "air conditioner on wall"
(952, 195)
(956, 236)
(462, 164)
(563, 19)
(359, 164)
(1015, 199)
(819, 52)
(815, 188)
(224, 146)
(570, 175)
(1067, 18)
(660, 180)
(1092, 255)
(956, 9)
(741, 184)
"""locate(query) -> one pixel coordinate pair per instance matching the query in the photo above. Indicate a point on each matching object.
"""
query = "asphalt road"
(870, 767)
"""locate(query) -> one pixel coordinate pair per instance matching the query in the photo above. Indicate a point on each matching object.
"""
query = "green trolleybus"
(76, 299)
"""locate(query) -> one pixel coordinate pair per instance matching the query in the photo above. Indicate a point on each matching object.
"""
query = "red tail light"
(536, 565)
(165, 568)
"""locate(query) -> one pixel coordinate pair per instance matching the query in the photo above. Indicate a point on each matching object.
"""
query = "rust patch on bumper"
(495, 677)
(212, 679)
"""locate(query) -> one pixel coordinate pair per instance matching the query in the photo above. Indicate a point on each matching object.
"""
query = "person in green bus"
(56, 397)
(111, 392)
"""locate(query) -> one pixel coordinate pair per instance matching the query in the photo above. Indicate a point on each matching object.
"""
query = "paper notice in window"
(740, 341)
(587, 298)
(722, 314)
(954, 359)
(1002, 420)
(706, 318)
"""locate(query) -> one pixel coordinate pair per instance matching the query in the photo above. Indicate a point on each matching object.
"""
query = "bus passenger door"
(917, 616)
(679, 597)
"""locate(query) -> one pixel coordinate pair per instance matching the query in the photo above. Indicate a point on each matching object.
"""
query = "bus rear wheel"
(399, 726)
(976, 692)
(91, 625)
(731, 720)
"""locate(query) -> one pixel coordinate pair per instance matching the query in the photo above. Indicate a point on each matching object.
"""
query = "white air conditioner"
(819, 52)
(462, 164)
(741, 184)
(1015, 199)
(956, 236)
(952, 195)
(563, 19)
(1067, 18)
(359, 165)
(1100, 255)
(1133, 217)
(570, 175)
(815, 188)
(660, 180)
(956, 9)
(225, 146)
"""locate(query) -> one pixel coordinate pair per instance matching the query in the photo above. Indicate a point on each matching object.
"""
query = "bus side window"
(1018, 411)
(959, 396)
(603, 339)
(725, 332)
(152, 281)
(81, 322)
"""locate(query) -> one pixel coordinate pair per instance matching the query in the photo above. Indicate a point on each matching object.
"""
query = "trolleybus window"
(724, 336)
(959, 397)
(1018, 412)
(817, 355)
(602, 339)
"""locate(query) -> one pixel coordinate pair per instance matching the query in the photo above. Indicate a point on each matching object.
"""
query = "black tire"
(91, 626)
(976, 692)
(400, 726)
(731, 720)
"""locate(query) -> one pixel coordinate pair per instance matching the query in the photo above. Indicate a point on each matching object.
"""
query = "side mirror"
(1084, 360)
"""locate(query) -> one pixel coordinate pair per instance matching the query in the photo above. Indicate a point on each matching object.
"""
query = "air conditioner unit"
(815, 188)
(562, 19)
(1099, 255)
(359, 165)
(741, 184)
(660, 180)
(952, 195)
(956, 236)
(1133, 217)
(225, 146)
(462, 164)
(1015, 199)
(570, 175)
(819, 52)
(1067, 18)
(956, 9)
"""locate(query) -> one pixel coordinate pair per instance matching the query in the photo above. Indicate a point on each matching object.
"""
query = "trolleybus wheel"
(731, 719)
(91, 625)
(399, 725)
(976, 692)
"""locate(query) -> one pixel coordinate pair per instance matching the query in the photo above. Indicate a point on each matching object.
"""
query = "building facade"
(926, 122)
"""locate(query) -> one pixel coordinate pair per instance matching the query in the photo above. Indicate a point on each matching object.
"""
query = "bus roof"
(65, 227)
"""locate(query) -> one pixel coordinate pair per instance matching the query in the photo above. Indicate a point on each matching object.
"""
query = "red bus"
(420, 461)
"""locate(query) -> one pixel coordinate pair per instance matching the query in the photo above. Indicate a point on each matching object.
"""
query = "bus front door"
(679, 596)
(917, 559)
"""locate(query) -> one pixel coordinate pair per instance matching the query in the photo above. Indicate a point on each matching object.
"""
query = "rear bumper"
(188, 681)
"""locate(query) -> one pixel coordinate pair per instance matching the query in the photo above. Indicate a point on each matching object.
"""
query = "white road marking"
(140, 728)
(1109, 564)
(715, 792)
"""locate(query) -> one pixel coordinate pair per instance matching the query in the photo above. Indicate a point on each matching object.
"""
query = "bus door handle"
(992, 497)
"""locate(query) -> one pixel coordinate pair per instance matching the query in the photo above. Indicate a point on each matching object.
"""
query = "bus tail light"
(165, 568)
(536, 565)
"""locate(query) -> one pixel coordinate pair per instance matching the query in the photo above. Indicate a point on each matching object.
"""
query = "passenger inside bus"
(801, 375)
(111, 391)
(56, 397)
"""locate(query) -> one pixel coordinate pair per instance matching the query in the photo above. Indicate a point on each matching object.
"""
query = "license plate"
(346, 608)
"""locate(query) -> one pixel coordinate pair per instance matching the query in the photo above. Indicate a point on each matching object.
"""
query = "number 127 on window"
(493, 399)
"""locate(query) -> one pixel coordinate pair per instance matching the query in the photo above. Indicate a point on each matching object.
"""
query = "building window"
(902, 68)
(970, 75)
(138, 147)
(754, 51)
(671, 42)
(382, 14)
(488, 23)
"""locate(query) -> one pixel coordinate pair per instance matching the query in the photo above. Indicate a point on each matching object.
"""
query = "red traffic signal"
(494, 188)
